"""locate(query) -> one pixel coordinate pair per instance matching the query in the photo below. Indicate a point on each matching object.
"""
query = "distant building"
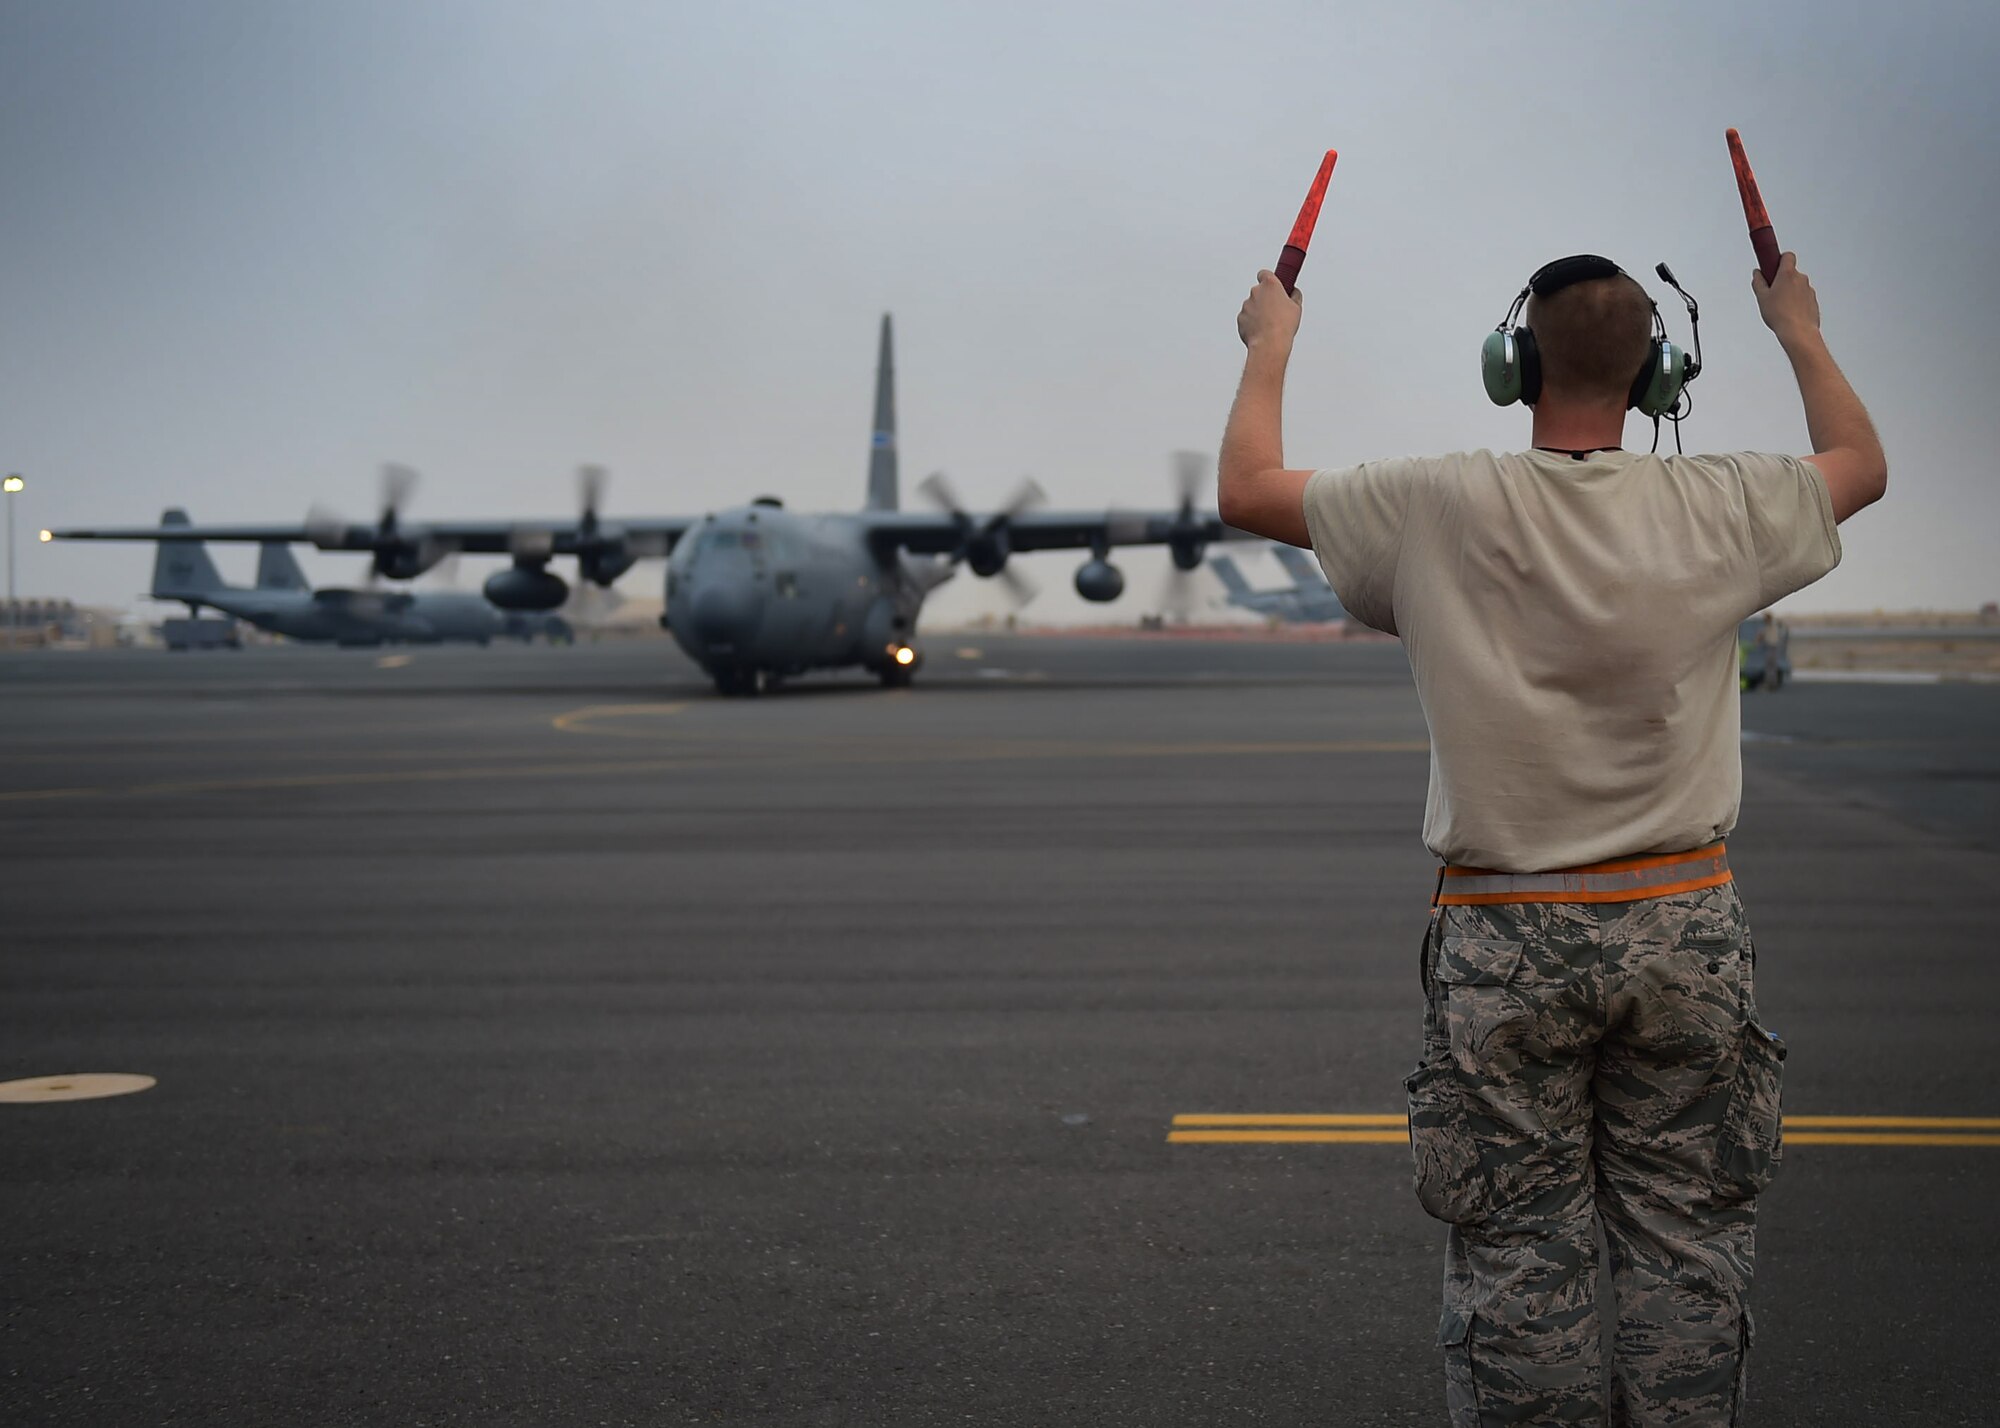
(38, 622)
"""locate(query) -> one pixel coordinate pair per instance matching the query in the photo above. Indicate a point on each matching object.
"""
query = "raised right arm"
(1845, 447)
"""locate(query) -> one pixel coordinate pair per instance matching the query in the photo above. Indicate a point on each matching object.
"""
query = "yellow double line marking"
(1890, 1130)
(1395, 1130)
(1323, 1130)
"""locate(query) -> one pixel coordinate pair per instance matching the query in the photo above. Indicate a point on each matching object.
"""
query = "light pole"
(13, 486)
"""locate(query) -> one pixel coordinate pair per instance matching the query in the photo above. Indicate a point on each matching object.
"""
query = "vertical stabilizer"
(1303, 569)
(882, 480)
(181, 568)
(278, 568)
(1231, 578)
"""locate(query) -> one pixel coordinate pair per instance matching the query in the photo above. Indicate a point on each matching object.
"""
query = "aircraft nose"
(724, 615)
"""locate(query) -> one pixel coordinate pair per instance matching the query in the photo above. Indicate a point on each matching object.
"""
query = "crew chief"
(1592, 1050)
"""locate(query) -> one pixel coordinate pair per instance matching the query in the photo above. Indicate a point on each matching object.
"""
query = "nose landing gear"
(900, 668)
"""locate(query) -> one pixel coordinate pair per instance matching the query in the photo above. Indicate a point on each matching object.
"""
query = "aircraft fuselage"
(759, 590)
(1293, 606)
(363, 618)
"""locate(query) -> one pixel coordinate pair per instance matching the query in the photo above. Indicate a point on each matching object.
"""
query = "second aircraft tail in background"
(181, 568)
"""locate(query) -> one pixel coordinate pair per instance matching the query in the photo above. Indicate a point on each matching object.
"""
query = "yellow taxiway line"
(1878, 1138)
(586, 719)
(1285, 1137)
(1341, 1120)
(1358, 1129)
(479, 773)
(1896, 1122)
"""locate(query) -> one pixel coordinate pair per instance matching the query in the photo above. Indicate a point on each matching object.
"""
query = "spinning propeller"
(1185, 539)
(400, 552)
(1185, 534)
(603, 552)
(983, 544)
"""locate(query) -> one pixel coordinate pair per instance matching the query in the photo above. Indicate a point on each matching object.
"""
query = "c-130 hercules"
(755, 592)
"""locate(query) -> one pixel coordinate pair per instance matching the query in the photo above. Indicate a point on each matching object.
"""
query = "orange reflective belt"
(1620, 880)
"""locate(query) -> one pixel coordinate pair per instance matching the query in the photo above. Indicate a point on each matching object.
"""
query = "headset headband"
(1552, 278)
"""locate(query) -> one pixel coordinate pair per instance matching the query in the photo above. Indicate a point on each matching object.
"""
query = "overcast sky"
(252, 251)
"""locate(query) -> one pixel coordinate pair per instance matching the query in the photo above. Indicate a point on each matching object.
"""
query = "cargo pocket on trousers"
(1461, 1393)
(1751, 1145)
(1450, 1182)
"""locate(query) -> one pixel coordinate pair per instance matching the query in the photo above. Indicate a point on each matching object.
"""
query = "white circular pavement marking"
(84, 1086)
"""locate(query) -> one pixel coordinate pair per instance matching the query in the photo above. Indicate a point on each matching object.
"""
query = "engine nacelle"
(526, 587)
(601, 567)
(1099, 580)
(403, 561)
(1187, 550)
(988, 554)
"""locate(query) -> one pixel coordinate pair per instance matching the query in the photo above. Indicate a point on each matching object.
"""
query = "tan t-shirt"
(1572, 628)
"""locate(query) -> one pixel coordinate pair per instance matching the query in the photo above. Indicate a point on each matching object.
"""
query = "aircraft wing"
(284, 534)
(943, 532)
(564, 536)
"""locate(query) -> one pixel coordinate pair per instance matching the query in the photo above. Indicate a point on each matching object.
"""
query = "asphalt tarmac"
(541, 1039)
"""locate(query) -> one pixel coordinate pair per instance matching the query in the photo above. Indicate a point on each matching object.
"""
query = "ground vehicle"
(1763, 645)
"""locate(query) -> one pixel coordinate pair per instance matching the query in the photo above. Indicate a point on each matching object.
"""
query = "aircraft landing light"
(905, 655)
(84, 1086)
(1394, 1130)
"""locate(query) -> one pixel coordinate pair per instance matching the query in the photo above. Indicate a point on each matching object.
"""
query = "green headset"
(1510, 362)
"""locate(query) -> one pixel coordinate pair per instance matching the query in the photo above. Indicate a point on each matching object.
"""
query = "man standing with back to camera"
(1591, 1044)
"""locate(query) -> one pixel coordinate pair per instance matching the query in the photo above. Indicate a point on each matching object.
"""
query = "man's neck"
(1573, 428)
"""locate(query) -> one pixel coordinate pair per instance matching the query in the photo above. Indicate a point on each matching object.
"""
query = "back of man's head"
(1592, 337)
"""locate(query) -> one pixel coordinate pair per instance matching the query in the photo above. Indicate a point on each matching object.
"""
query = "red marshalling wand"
(1294, 256)
(1762, 238)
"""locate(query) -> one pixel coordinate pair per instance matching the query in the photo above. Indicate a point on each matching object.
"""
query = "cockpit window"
(727, 539)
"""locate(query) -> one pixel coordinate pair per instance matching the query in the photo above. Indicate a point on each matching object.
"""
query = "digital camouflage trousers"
(1593, 1063)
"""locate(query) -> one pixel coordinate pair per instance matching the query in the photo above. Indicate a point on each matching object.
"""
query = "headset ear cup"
(1500, 368)
(1658, 385)
(1531, 365)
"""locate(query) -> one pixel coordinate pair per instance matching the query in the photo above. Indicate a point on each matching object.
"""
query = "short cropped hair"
(1592, 337)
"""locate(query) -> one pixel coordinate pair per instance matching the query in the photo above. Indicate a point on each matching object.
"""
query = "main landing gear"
(737, 682)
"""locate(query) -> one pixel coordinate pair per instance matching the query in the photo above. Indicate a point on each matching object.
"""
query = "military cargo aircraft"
(283, 602)
(755, 593)
(1307, 600)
